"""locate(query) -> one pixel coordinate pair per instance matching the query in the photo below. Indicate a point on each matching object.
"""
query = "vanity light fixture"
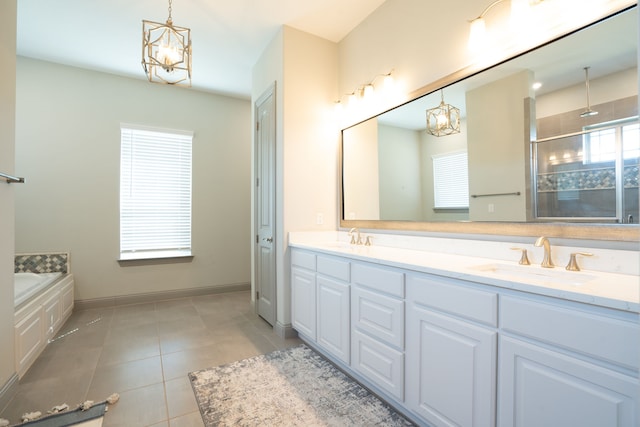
(166, 52)
(477, 30)
(444, 119)
(588, 112)
(365, 91)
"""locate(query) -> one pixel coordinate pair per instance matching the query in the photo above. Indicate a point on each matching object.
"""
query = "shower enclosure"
(589, 175)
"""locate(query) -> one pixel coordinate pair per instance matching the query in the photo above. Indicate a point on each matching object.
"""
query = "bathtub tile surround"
(42, 263)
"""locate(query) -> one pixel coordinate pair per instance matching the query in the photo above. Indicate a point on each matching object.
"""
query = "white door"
(265, 172)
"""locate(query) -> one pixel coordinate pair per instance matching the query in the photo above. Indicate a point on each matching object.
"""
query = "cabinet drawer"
(380, 279)
(379, 315)
(303, 259)
(602, 337)
(451, 296)
(380, 364)
(333, 267)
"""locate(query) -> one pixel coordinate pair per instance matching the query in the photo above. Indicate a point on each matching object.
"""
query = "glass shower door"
(590, 175)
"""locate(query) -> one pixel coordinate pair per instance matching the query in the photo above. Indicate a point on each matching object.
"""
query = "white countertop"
(612, 290)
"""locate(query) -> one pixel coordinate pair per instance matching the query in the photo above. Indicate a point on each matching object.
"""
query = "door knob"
(268, 239)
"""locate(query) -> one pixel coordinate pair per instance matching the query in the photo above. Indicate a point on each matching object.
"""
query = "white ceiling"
(228, 36)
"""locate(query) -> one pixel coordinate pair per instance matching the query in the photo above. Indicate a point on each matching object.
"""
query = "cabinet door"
(333, 317)
(29, 340)
(303, 301)
(450, 369)
(52, 315)
(540, 387)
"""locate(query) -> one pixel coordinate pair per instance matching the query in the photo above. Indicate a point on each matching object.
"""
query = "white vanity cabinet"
(320, 301)
(303, 293)
(567, 366)
(451, 351)
(448, 350)
(377, 318)
(333, 323)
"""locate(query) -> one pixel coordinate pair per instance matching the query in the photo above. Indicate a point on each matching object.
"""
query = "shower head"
(588, 112)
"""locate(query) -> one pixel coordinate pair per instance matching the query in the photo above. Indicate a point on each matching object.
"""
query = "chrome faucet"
(546, 260)
(355, 240)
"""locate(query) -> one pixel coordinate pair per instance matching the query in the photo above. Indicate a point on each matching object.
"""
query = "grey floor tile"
(179, 364)
(180, 397)
(129, 350)
(144, 352)
(140, 407)
(193, 419)
(185, 340)
(121, 377)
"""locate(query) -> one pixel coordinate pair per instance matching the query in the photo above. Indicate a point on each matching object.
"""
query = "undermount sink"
(536, 273)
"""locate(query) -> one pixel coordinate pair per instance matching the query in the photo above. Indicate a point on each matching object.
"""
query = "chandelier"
(166, 52)
(444, 119)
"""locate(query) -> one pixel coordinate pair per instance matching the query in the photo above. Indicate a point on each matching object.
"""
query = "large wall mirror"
(530, 157)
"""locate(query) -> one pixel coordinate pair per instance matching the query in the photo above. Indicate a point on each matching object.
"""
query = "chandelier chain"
(169, 19)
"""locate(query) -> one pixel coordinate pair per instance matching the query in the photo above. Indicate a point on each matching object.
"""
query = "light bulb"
(367, 91)
(477, 34)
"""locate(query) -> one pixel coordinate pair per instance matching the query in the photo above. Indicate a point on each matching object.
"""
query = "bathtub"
(29, 284)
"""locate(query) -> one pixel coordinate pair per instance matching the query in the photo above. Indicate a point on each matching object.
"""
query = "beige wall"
(498, 148)
(68, 147)
(304, 69)
(400, 179)
(7, 134)
(361, 180)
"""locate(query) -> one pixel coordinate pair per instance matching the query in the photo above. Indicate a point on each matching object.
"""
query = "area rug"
(292, 387)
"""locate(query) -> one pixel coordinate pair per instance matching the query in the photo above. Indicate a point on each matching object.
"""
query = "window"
(601, 145)
(451, 181)
(155, 193)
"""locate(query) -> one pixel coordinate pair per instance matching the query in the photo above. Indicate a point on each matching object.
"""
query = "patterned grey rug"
(293, 387)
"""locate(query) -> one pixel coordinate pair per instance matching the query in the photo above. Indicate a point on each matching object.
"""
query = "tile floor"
(144, 352)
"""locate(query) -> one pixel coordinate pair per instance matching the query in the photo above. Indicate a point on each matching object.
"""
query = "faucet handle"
(573, 264)
(367, 241)
(524, 259)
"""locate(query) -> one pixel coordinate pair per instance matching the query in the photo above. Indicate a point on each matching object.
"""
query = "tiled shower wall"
(42, 263)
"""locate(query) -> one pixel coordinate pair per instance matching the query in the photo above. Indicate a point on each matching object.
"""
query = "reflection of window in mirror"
(451, 181)
(600, 145)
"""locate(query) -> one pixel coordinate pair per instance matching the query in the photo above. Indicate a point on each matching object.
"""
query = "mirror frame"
(567, 230)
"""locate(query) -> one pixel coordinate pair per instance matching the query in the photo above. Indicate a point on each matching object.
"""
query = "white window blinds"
(450, 180)
(155, 193)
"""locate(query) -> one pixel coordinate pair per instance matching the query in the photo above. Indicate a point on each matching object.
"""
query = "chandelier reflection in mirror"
(444, 119)
(166, 52)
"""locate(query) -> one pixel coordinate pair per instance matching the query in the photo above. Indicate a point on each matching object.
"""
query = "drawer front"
(333, 267)
(450, 296)
(606, 338)
(379, 315)
(303, 259)
(380, 364)
(379, 279)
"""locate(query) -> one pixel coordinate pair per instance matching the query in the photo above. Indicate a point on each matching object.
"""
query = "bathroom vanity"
(457, 340)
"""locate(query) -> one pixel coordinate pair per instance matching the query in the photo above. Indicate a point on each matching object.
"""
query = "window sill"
(150, 258)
